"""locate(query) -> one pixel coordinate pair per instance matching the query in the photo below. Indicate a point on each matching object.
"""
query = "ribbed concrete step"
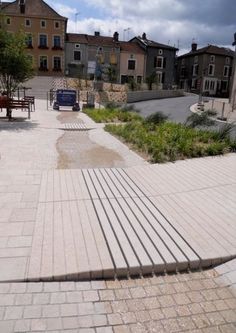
(102, 223)
(76, 127)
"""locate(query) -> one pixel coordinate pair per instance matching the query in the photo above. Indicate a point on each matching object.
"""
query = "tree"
(15, 65)
(151, 79)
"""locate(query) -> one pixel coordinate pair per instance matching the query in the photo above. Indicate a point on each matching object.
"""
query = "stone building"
(206, 70)
(160, 60)
(45, 33)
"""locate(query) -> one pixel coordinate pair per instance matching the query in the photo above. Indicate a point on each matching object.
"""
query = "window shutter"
(155, 62)
(164, 63)
(230, 71)
(163, 78)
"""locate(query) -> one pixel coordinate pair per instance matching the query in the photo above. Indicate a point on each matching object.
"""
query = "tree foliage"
(15, 65)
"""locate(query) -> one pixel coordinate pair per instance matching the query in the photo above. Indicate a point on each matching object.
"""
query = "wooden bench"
(15, 104)
(31, 100)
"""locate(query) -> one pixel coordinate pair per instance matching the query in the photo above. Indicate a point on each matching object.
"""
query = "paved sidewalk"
(154, 218)
(198, 302)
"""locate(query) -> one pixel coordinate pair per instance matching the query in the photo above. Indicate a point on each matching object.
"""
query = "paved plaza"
(150, 233)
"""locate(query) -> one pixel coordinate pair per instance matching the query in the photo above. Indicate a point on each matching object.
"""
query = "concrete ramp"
(106, 223)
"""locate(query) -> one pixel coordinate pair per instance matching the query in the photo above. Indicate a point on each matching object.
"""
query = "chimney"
(194, 47)
(96, 33)
(22, 6)
(116, 36)
(144, 36)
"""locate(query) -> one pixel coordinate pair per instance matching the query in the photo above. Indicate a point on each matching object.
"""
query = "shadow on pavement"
(16, 124)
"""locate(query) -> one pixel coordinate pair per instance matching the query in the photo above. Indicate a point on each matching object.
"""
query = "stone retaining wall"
(136, 96)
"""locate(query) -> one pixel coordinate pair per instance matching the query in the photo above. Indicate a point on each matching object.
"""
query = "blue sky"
(173, 22)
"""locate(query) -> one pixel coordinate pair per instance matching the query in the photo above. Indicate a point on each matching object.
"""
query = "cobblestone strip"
(197, 302)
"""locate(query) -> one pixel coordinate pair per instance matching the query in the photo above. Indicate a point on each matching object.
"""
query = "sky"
(174, 22)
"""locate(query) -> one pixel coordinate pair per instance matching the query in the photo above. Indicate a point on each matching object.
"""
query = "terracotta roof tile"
(211, 49)
(131, 47)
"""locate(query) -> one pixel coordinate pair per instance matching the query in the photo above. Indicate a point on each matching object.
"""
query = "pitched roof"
(92, 40)
(210, 49)
(150, 43)
(36, 8)
(131, 47)
(76, 38)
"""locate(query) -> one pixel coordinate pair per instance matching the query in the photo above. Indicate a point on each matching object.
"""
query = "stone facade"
(206, 70)
(160, 60)
(45, 30)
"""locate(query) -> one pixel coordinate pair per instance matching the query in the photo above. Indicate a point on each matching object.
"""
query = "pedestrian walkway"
(106, 223)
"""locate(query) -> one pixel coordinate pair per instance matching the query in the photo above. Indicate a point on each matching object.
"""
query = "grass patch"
(168, 141)
(111, 115)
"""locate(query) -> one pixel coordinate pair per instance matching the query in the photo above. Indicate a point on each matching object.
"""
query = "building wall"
(139, 65)
(215, 83)
(17, 23)
(76, 68)
(167, 70)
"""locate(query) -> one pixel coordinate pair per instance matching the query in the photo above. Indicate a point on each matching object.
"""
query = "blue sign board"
(66, 97)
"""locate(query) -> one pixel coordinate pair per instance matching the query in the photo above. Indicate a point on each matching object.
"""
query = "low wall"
(136, 96)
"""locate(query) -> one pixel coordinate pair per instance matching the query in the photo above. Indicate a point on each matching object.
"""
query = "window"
(43, 24)
(27, 23)
(77, 55)
(29, 41)
(56, 24)
(212, 58)
(131, 64)
(124, 79)
(226, 71)
(139, 79)
(211, 70)
(194, 83)
(8, 21)
(100, 49)
(43, 63)
(196, 59)
(57, 63)
(195, 69)
(207, 84)
(77, 46)
(224, 85)
(227, 61)
(159, 63)
(57, 41)
(160, 52)
(42, 41)
(159, 77)
(183, 62)
(212, 85)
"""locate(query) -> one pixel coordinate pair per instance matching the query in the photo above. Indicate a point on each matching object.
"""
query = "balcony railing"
(44, 47)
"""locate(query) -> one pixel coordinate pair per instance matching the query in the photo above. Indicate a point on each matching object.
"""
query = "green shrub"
(108, 115)
(156, 118)
(170, 141)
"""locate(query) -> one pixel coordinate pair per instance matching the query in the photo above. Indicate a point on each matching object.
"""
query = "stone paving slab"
(100, 223)
(199, 302)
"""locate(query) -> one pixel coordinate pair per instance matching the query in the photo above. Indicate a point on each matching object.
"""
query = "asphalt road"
(178, 109)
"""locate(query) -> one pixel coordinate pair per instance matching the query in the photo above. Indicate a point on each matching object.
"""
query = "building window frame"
(29, 40)
(43, 24)
(56, 25)
(212, 59)
(80, 55)
(195, 69)
(131, 64)
(161, 59)
(77, 46)
(160, 52)
(57, 45)
(211, 69)
(43, 45)
(56, 68)
(27, 23)
(8, 20)
(227, 60)
(43, 63)
(158, 77)
(224, 85)
(226, 71)
(195, 60)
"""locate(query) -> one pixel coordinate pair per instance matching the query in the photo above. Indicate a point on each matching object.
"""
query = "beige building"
(45, 30)
(132, 63)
